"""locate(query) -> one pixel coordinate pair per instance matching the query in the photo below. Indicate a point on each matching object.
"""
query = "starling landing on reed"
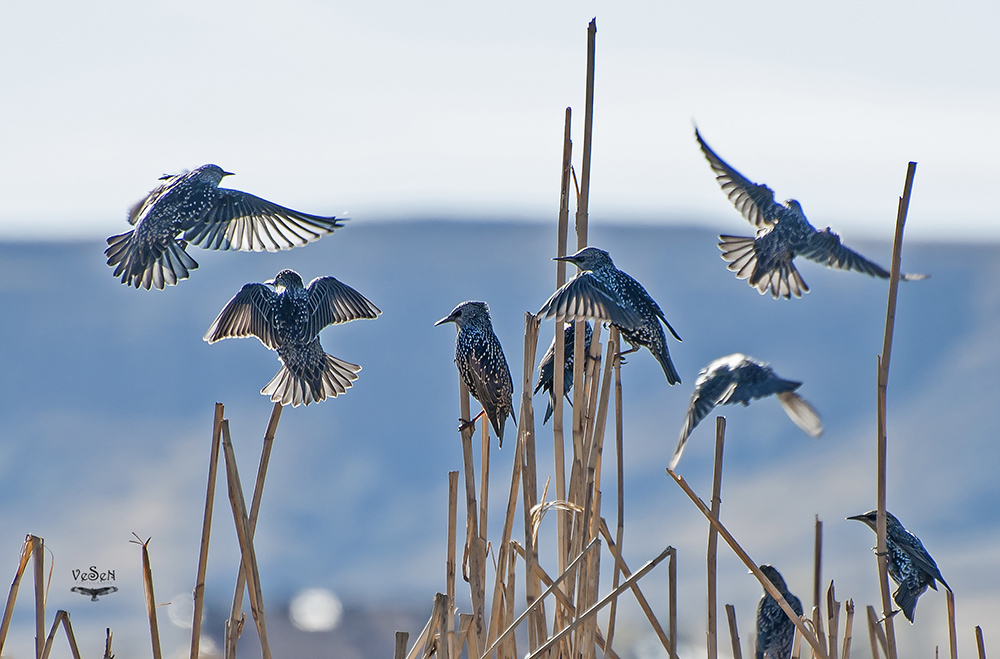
(775, 630)
(910, 566)
(546, 369)
(603, 292)
(737, 378)
(192, 208)
(482, 364)
(288, 319)
(782, 234)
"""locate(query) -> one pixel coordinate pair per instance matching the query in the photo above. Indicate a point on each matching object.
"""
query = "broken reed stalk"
(206, 531)
(426, 633)
(588, 132)
(26, 553)
(615, 361)
(558, 374)
(107, 644)
(496, 608)
(475, 544)
(883, 380)
(833, 619)
(400, 648)
(875, 635)
(819, 650)
(38, 556)
(952, 631)
(848, 630)
(817, 580)
(62, 617)
(449, 576)
(713, 539)
(734, 634)
(980, 642)
(586, 615)
(484, 477)
(147, 583)
(441, 607)
(248, 556)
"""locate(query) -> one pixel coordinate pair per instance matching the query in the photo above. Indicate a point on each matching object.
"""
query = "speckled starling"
(192, 208)
(481, 363)
(603, 292)
(775, 630)
(910, 566)
(782, 234)
(546, 369)
(737, 378)
(288, 319)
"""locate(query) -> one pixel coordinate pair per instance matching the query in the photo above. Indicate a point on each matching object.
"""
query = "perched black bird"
(737, 378)
(546, 369)
(603, 292)
(288, 319)
(910, 566)
(481, 363)
(775, 630)
(193, 206)
(782, 234)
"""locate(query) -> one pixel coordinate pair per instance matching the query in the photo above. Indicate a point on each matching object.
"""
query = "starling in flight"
(192, 208)
(546, 369)
(737, 378)
(603, 292)
(288, 319)
(910, 566)
(482, 364)
(782, 234)
(775, 630)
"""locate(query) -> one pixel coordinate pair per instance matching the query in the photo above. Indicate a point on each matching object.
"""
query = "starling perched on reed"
(288, 319)
(546, 369)
(775, 630)
(603, 292)
(782, 234)
(910, 566)
(737, 378)
(192, 208)
(481, 363)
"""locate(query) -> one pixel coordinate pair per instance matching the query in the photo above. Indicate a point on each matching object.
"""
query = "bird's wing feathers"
(801, 412)
(140, 207)
(636, 291)
(487, 388)
(754, 202)
(331, 302)
(249, 313)
(585, 298)
(242, 221)
(825, 247)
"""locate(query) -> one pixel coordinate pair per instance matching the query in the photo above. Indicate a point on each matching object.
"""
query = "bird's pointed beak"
(224, 173)
(570, 259)
(446, 319)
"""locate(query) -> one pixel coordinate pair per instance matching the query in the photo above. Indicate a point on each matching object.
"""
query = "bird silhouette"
(94, 593)
(603, 292)
(775, 630)
(766, 260)
(482, 364)
(546, 368)
(288, 319)
(191, 208)
(909, 564)
(737, 378)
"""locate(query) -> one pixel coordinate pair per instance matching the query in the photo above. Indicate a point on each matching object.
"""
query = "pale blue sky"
(390, 109)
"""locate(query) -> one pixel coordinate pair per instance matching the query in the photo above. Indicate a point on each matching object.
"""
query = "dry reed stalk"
(711, 636)
(734, 634)
(206, 531)
(496, 609)
(980, 642)
(425, 633)
(63, 618)
(475, 544)
(26, 552)
(952, 631)
(817, 581)
(588, 132)
(848, 630)
(147, 582)
(509, 592)
(614, 341)
(107, 644)
(743, 556)
(450, 561)
(797, 646)
(833, 619)
(639, 597)
(883, 380)
(672, 603)
(462, 635)
(586, 615)
(875, 635)
(441, 606)
(243, 534)
(400, 649)
(484, 477)
(38, 556)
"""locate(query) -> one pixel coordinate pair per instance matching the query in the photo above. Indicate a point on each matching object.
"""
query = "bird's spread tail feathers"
(801, 412)
(906, 599)
(288, 388)
(166, 269)
(783, 280)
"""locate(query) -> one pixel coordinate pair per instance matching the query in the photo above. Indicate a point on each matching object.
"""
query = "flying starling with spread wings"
(783, 232)
(192, 208)
(737, 378)
(910, 566)
(482, 364)
(546, 368)
(775, 630)
(288, 319)
(601, 291)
